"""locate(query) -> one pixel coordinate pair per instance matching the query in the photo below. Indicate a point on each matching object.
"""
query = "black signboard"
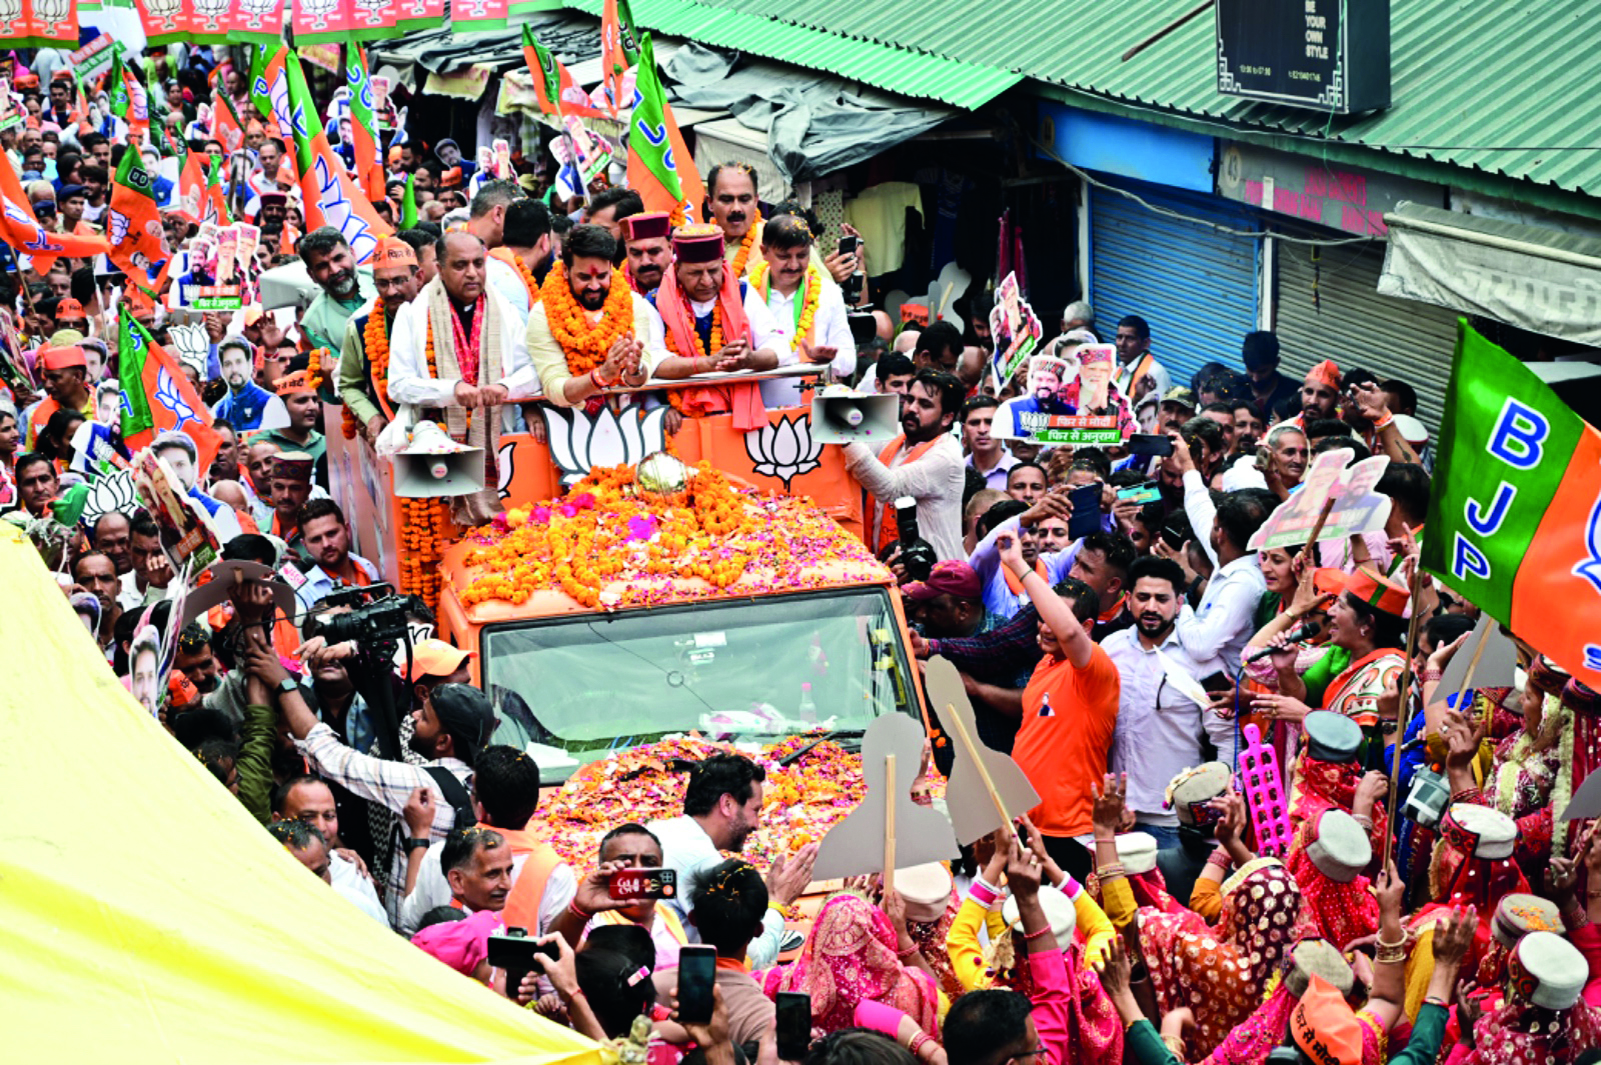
(1332, 55)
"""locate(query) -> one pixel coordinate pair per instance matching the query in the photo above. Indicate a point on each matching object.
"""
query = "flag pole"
(1400, 709)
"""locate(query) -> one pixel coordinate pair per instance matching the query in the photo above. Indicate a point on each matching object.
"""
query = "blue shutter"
(1196, 287)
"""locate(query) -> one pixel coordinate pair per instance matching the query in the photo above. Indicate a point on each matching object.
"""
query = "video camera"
(369, 620)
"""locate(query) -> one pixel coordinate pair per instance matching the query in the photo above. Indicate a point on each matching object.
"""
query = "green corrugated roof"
(883, 65)
(1503, 88)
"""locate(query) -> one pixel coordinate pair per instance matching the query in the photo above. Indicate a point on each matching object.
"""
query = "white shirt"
(1221, 627)
(504, 279)
(410, 381)
(935, 480)
(687, 849)
(348, 881)
(830, 329)
(1159, 729)
(434, 890)
(999, 599)
(764, 331)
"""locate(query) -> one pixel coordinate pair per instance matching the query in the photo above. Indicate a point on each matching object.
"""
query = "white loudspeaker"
(434, 465)
(840, 416)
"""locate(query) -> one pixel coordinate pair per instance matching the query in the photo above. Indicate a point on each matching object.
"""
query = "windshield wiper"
(835, 734)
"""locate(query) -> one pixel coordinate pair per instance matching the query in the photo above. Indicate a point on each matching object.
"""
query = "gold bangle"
(1397, 944)
(1175, 1044)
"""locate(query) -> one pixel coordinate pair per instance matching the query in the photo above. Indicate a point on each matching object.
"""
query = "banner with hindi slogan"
(1515, 511)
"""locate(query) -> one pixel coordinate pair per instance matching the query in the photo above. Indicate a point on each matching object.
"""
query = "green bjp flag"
(1515, 512)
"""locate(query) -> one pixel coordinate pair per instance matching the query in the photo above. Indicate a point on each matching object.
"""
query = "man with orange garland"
(525, 247)
(806, 303)
(65, 372)
(731, 193)
(708, 321)
(584, 331)
(364, 357)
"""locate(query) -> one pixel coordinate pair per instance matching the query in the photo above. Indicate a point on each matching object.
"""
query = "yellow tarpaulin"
(145, 917)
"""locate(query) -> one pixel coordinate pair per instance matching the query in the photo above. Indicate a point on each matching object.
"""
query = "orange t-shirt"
(1068, 718)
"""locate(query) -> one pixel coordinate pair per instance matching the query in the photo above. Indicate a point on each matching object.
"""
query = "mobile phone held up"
(642, 884)
(697, 972)
(1086, 501)
(515, 953)
(794, 1025)
(1157, 444)
(1139, 493)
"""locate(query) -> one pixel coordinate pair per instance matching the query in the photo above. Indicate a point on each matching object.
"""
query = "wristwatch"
(288, 684)
(416, 844)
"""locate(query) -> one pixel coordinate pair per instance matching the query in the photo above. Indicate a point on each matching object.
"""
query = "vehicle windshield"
(734, 669)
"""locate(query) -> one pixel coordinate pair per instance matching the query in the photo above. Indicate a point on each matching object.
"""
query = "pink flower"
(542, 515)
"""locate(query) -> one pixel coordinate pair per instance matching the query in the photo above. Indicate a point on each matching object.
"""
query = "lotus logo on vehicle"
(784, 449)
(578, 442)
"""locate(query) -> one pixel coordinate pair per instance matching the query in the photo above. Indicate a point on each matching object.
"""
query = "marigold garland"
(375, 342)
(586, 343)
(426, 530)
(527, 275)
(605, 545)
(811, 298)
(746, 244)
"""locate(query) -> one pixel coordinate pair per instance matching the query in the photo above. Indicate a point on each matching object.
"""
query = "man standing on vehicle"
(722, 807)
(345, 286)
(650, 251)
(924, 462)
(584, 331)
(364, 356)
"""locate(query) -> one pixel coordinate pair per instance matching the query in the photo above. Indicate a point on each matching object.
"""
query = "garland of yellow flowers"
(527, 275)
(426, 528)
(375, 341)
(811, 298)
(676, 395)
(586, 343)
(317, 376)
(742, 256)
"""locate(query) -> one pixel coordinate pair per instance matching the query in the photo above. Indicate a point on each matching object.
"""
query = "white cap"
(1341, 849)
(1555, 967)
(1137, 852)
(1496, 833)
(1411, 430)
(926, 889)
(1242, 473)
(1058, 910)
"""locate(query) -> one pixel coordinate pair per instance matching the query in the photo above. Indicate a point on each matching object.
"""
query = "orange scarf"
(885, 532)
(744, 401)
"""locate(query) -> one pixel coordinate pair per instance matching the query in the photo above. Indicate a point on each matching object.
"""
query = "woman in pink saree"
(850, 957)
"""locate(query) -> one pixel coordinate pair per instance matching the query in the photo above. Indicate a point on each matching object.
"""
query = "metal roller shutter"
(1194, 285)
(1327, 306)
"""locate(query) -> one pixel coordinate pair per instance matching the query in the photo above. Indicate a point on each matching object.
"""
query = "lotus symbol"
(212, 9)
(785, 449)
(114, 491)
(503, 461)
(118, 228)
(194, 346)
(319, 10)
(52, 12)
(578, 443)
(10, 11)
(257, 10)
(165, 10)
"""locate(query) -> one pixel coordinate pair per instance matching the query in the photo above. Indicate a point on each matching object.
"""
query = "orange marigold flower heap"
(608, 545)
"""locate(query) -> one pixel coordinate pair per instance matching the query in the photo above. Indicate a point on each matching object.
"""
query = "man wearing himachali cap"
(708, 321)
(65, 370)
(650, 250)
(364, 355)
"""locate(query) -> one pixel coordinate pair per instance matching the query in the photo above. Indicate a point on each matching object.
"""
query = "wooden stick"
(1323, 516)
(889, 824)
(983, 770)
(1165, 30)
(1400, 708)
(1473, 664)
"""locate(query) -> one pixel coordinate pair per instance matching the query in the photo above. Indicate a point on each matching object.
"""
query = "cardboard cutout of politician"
(1070, 400)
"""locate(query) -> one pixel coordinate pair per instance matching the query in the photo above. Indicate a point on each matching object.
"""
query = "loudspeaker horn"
(435, 465)
(840, 416)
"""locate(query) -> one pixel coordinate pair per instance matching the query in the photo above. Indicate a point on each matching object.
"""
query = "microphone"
(1305, 631)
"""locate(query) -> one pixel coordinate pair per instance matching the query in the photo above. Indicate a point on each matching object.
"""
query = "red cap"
(952, 577)
(648, 226)
(698, 243)
(70, 308)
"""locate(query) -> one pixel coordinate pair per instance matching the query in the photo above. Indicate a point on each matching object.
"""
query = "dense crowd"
(1149, 908)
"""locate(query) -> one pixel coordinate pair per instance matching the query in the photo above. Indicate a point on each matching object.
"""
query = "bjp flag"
(1514, 520)
(363, 124)
(22, 231)
(329, 194)
(156, 395)
(660, 167)
(133, 224)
